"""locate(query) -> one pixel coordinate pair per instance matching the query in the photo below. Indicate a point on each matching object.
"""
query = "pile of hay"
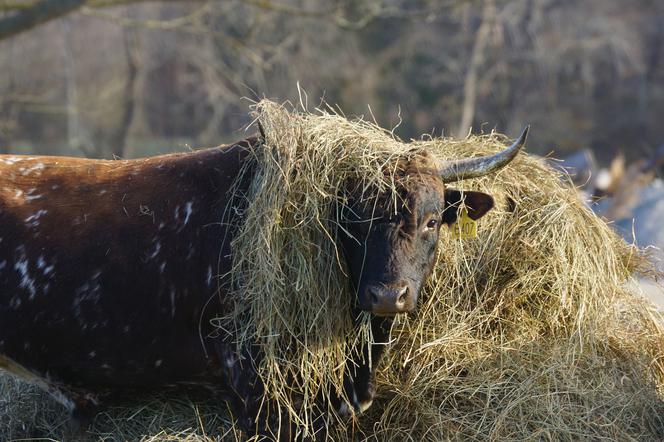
(27, 413)
(527, 332)
(530, 330)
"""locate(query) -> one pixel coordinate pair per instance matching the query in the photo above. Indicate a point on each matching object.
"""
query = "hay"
(527, 332)
(27, 413)
(536, 304)
(286, 268)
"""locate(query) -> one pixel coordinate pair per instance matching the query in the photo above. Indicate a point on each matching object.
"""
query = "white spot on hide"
(155, 252)
(27, 282)
(209, 276)
(14, 160)
(32, 195)
(33, 220)
(88, 292)
(188, 211)
(36, 169)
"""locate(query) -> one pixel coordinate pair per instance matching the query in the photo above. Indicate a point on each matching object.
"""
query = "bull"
(107, 269)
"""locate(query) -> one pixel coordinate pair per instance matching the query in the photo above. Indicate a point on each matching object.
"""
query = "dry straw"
(292, 292)
(527, 332)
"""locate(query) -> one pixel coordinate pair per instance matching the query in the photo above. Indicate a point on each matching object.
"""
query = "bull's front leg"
(254, 415)
(358, 384)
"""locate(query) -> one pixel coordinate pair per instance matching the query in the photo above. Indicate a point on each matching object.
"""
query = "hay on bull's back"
(525, 322)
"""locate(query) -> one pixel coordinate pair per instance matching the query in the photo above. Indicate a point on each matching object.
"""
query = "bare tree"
(71, 96)
(118, 138)
(474, 66)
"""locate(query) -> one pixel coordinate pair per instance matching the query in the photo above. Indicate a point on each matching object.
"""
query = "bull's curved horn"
(477, 167)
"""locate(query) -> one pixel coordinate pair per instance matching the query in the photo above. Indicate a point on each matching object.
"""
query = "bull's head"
(390, 243)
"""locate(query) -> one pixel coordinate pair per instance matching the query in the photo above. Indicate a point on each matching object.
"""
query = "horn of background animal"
(480, 166)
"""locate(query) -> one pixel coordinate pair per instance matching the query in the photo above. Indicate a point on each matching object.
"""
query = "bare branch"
(286, 9)
(25, 15)
(475, 63)
(151, 24)
(186, 24)
(111, 3)
(39, 13)
(20, 5)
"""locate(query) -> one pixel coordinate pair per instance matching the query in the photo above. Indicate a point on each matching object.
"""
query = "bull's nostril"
(403, 296)
(374, 297)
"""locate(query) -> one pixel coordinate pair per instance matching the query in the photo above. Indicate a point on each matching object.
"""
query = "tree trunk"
(118, 139)
(475, 63)
(73, 121)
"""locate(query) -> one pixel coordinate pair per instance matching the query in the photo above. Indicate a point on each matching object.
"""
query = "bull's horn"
(480, 166)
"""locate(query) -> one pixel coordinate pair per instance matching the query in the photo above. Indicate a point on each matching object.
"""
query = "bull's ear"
(477, 203)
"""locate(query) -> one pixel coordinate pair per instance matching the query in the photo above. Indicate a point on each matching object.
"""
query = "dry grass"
(28, 413)
(526, 332)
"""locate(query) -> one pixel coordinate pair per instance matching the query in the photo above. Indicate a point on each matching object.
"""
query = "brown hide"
(108, 269)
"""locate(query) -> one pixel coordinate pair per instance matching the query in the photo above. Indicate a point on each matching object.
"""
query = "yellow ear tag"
(464, 227)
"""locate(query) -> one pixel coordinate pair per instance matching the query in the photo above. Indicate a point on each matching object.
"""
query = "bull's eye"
(432, 224)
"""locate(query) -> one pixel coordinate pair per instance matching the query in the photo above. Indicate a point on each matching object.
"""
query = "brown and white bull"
(109, 270)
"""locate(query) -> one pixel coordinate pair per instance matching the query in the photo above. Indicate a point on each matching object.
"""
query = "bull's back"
(107, 267)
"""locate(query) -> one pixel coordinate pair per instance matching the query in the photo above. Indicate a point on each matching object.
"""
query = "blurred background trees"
(127, 78)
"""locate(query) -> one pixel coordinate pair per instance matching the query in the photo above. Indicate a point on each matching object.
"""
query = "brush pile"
(527, 332)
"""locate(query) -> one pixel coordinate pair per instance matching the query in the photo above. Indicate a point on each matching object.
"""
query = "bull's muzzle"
(390, 300)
